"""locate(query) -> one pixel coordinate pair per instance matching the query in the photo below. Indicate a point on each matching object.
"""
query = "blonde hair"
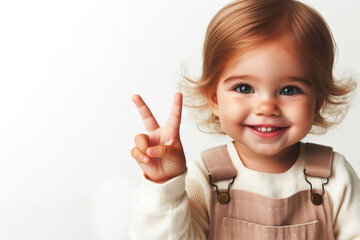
(245, 24)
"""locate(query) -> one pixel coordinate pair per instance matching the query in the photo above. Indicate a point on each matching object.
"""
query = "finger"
(150, 122)
(139, 156)
(164, 151)
(175, 115)
(142, 142)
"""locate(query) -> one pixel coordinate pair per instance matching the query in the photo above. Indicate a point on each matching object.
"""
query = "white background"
(68, 70)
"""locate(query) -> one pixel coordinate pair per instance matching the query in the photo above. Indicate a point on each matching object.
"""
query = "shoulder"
(344, 191)
(344, 184)
(342, 171)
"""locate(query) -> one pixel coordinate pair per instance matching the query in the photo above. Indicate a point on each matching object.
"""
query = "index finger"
(150, 122)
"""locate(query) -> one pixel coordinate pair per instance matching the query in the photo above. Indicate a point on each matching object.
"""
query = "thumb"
(171, 152)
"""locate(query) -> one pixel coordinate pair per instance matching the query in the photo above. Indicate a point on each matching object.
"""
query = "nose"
(267, 108)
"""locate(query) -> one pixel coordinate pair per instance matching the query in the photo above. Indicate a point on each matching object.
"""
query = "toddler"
(267, 82)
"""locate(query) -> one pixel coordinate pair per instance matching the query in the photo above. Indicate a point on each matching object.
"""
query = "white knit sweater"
(179, 208)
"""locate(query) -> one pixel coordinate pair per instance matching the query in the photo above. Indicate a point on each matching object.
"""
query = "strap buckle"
(223, 197)
(316, 198)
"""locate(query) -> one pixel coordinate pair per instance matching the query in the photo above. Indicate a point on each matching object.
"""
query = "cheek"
(302, 113)
(232, 110)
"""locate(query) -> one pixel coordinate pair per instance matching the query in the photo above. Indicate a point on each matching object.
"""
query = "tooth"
(263, 129)
(269, 129)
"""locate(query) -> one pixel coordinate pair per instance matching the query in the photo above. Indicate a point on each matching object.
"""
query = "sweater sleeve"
(168, 211)
(345, 195)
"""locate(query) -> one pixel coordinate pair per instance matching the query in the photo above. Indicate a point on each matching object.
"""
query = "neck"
(279, 163)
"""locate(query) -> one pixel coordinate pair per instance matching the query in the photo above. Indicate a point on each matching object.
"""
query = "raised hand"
(160, 153)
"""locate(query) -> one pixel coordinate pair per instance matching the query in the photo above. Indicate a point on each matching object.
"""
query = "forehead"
(267, 61)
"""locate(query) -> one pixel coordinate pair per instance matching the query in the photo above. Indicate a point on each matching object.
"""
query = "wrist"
(163, 180)
(160, 181)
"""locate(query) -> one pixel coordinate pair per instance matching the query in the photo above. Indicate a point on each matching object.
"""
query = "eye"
(244, 88)
(290, 90)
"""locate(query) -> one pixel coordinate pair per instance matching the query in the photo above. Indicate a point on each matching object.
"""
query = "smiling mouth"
(266, 129)
(267, 132)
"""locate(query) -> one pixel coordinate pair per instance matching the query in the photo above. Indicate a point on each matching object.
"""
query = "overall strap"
(219, 163)
(318, 160)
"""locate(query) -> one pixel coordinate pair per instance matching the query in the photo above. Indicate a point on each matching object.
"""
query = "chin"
(267, 151)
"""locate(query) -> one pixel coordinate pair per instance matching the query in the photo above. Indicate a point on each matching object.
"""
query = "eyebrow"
(251, 77)
(299, 79)
(237, 77)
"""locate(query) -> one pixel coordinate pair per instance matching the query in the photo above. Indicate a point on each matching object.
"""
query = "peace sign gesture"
(160, 153)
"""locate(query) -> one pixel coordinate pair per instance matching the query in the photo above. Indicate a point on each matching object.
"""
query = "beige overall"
(237, 214)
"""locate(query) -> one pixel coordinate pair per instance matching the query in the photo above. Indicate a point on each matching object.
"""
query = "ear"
(213, 102)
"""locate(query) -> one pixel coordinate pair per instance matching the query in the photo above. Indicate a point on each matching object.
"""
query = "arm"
(161, 206)
(345, 195)
(167, 211)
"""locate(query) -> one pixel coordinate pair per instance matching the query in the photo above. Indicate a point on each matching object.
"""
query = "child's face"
(265, 101)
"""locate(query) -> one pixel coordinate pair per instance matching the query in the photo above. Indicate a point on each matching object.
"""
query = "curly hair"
(246, 24)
